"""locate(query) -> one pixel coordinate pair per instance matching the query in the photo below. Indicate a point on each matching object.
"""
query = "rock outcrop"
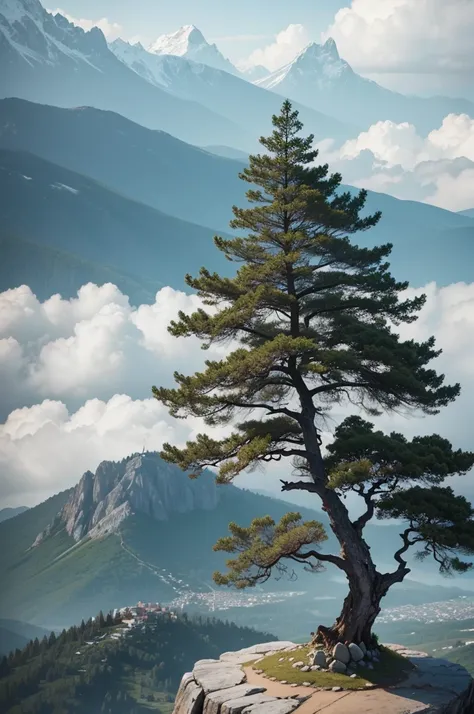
(226, 686)
(142, 483)
(221, 687)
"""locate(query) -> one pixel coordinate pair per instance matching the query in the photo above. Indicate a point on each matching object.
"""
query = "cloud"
(87, 366)
(286, 45)
(395, 159)
(422, 36)
(46, 448)
(111, 30)
(94, 345)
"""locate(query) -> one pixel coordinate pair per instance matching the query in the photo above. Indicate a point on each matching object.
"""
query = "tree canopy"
(311, 321)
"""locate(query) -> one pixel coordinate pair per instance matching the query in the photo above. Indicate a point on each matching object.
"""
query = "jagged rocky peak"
(38, 36)
(141, 483)
(190, 43)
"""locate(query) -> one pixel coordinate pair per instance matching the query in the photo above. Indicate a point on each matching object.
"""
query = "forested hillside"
(105, 666)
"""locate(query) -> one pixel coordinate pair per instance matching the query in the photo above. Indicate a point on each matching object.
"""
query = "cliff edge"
(230, 686)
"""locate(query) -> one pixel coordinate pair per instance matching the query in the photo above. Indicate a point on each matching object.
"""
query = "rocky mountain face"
(142, 483)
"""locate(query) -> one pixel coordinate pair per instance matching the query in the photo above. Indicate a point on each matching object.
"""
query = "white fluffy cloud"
(45, 448)
(395, 159)
(88, 364)
(419, 36)
(110, 29)
(95, 345)
(286, 45)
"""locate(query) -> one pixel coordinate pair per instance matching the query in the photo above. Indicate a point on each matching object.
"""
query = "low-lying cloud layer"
(78, 375)
(393, 158)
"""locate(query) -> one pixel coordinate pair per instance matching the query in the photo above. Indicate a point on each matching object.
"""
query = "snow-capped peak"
(189, 42)
(320, 63)
(180, 42)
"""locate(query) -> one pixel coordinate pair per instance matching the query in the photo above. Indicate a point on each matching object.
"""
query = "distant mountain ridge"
(7, 513)
(72, 213)
(320, 78)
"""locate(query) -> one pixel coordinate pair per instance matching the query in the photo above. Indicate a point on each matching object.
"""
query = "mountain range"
(46, 58)
(320, 78)
(88, 219)
(142, 528)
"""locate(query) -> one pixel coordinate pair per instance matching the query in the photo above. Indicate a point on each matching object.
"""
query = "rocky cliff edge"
(226, 686)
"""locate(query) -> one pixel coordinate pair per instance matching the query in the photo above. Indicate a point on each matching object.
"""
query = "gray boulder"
(355, 652)
(338, 667)
(363, 648)
(341, 653)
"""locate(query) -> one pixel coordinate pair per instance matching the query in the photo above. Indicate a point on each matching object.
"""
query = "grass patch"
(391, 669)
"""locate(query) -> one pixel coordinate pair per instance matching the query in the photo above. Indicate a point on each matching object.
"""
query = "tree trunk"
(359, 612)
(367, 587)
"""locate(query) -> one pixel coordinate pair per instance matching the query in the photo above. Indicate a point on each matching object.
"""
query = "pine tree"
(314, 315)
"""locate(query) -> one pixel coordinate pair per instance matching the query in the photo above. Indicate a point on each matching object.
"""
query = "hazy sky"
(237, 27)
(422, 46)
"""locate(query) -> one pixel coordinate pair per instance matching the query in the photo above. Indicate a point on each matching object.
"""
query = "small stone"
(336, 689)
(338, 667)
(315, 668)
(273, 679)
(282, 659)
(291, 659)
(283, 681)
(369, 685)
(293, 685)
(341, 653)
(295, 665)
(368, 654)
(306, 684)
(353, 676)
(355, 652)
(327, 689)
(306, 668)
(370, 665)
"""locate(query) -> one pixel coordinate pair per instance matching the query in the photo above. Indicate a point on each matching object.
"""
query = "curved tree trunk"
(359, 612)
(366, 585)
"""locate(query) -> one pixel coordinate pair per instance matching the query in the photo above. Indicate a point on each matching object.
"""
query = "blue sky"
(238, 27)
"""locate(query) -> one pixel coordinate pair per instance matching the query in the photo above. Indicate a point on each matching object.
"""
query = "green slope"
(48, 271)
(147, 166)
(103, 666)
(74, 214)
(59, 581)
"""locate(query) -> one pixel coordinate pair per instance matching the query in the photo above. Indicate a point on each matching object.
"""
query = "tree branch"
(324, 558)
(298, 486)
